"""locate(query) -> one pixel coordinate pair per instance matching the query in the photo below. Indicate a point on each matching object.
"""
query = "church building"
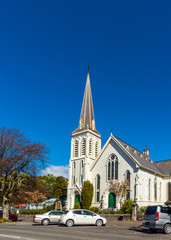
(150, 182)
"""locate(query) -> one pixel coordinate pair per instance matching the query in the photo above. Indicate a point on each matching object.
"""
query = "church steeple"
(87, 120)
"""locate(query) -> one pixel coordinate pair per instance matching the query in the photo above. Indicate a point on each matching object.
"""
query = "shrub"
(105, 212)
(77, 205)
(141, 209)
(87, 194)
(127, 206)
(4, 220)
(112, 212)
(95, 209)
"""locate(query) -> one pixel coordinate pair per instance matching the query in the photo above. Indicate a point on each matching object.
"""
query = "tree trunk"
(5, 205)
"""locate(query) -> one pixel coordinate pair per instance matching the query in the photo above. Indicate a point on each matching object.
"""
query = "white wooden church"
(150, 182)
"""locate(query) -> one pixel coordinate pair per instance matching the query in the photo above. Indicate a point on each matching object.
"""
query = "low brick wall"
(25, 218)
(121, 217)
(117, 217)
(109, 217)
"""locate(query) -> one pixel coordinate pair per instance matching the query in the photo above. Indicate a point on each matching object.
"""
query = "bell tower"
(85, 146)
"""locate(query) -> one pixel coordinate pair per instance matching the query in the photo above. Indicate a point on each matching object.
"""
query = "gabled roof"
(135, 155)
(144, 161)
(164, 167)
(87, 120)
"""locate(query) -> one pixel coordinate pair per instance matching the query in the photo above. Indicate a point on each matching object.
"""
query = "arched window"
(128, 177)
(112, 167)
(96, 149)
(81, 172)
(83, 152)
(73, 172)
(76, 148)
(149, 189)
(90, 146)
(98, 188)
(155, 189)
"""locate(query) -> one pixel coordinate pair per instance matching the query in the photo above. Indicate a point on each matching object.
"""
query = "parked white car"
(82, 217)
(48, 217)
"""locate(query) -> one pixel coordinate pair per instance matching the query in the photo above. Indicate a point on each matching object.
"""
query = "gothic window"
(81, 172)
(83, 152)
(96, 149)
(73, 172)
(155, 189)
(76, 148)
(149, 189)
(90, 146)
(128, 177)
(112, 166)
(98, 188)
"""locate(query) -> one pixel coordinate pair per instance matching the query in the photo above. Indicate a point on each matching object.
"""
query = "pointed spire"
(87, 113)
(87, 120)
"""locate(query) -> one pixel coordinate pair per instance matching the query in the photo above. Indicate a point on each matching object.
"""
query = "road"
(116, 230)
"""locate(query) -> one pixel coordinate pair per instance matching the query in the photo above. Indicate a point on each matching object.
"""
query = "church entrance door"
(112, 200)
(77, 198)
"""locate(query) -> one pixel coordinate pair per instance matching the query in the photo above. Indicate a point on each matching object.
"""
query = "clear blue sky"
(45, 48)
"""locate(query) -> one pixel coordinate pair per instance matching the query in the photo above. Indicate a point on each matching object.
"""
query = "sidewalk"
(124, 224)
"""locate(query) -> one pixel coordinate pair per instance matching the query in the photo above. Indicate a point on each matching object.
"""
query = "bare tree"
(18, 157)
(121, 189)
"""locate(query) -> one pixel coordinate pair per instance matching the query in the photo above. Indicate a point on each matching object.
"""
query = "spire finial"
(88, 69)
(111, 131)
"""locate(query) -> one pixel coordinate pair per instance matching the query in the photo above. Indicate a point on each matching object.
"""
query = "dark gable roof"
(141, 159)
(164, 167)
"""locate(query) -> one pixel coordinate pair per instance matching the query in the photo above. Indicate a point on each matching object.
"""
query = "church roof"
(164, 167)
(143, 160)
(87, 120)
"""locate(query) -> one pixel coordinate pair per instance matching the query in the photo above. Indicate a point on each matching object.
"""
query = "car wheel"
(99, 223)
(69, 223)
(167, 228)
(45, 222)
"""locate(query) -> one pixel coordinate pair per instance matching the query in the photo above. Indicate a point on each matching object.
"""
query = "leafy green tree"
(45, 184)
(60, 188)
(87, 194)
(18, 157)
(10, 187)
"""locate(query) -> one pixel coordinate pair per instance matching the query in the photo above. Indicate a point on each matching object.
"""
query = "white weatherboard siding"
(101, 168)
(149, 183)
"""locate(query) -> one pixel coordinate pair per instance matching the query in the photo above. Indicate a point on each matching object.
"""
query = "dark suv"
(158, 217)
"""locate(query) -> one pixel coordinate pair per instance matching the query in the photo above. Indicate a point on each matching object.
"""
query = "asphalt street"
(115, 230)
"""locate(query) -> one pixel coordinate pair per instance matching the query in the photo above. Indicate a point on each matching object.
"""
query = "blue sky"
(45, 48)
